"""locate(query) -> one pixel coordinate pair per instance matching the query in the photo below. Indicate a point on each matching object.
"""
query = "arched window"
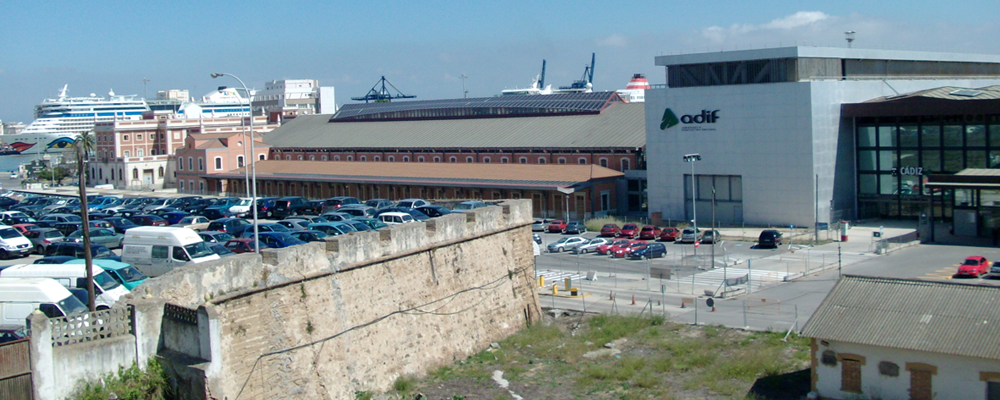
(299, 157)
(312, 158)
(486, 160)
(262, 157)
(350, 158)
(363, 158)
(323, 158)
(160, 172)
(201, 164)
(336, 158)
(542, 160)
(135, 173)
(523, 160)
(406, 158)
(190, 163)
(603, 162)
(470, 160)
(288, 157)
(561, 160)
(452, 159)
(239, 161)
(504, 160)
(390, 159)
(121, 174)
(581, 161)
(625, 164)
(377, 158)
(218, 163)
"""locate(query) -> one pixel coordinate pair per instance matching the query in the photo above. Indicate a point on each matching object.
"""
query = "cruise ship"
(221, 103)
(59, 120)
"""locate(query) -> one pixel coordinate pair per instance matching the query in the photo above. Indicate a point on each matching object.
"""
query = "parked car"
(310, 235)
(974, 266)
(416, 215)
(68, 227)
(358, 225)
(540, 225)
(393, 218)
(649, 232)
(556, 226)
(241, 209)
(314, 207)
(54, 260)
(378, 203)
(148, 220)
(24, 227)
(294, 224)
(215, 237)
(261, 228)
(669, 234)
(372, 223)
(590, 246)
(769, 238)
(332, 228)
(624, 251)
(196, 222)
(120, 224)
(412, 203)
(174, 217)
(56, 218)
(710, 236)
(629, 231)
(43, 237)
(536, 238)
(105, 237)
(565, 244)
(995, 269)
(243, 245)
(232, 226)
(688, 235)
(75, 250)
(336, 216)
(286, 206)
(278, 240)
(434, 211)
(468, 205)
(610, 230)
(607, 247)
(357, 210)
(650, 250)
(575, 227)
(10, 333)
(221, 250)
(334, 203)
(265, 207)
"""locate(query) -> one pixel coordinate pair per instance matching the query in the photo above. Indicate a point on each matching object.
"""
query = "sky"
(423, 47)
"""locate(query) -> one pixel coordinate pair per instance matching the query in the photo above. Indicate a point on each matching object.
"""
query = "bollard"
(541, 281)
(633, 299)
(574, 291)
(611, 295)
(555, 289)
(567, 282)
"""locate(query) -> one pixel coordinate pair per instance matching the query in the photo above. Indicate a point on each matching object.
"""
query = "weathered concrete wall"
(321, 321)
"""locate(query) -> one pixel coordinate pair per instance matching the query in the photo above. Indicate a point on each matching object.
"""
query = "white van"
(13, 243)
(394, 218)
(155, 250)
(19, 297)
(107, 290)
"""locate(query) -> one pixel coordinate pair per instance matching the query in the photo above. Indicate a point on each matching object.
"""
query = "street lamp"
(253, 161)
(691, 159)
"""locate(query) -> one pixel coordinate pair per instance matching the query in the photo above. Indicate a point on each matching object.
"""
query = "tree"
(85, 145)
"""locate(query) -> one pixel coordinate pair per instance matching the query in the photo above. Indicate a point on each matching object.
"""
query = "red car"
(974, 266)
(242, 245)
(630, 231)
(649, 232)
(605, 248)
(23, 227)
(610, 230)
(624, 251)
(557, 226)
(669, 234)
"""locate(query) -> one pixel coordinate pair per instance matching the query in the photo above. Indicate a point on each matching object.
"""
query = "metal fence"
(92, 326)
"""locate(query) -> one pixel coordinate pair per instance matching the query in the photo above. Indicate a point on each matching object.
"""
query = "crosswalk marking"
(558, 276)
(714, 277)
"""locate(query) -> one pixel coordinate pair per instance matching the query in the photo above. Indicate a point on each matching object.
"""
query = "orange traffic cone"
(611, 295)
(633, 299)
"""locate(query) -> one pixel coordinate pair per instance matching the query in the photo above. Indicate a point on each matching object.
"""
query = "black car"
(286, 206)
(575, 227)
(75, 249)
(314, 207)
(265, 206)
(6, 203)
(232, 226)
(67, 228)
(651, 250)
(769, 238)
(198, 206)
(120, 224)
(433, 211)
(214, 213)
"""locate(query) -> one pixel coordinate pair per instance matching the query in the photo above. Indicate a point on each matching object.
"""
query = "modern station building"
(806, 135)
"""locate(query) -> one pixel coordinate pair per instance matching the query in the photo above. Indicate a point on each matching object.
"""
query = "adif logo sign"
(706, 117)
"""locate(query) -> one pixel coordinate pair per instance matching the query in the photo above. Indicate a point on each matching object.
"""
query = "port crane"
(380, 94)
(586, 83)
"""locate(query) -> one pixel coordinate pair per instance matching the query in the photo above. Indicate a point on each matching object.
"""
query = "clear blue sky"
(423, 46)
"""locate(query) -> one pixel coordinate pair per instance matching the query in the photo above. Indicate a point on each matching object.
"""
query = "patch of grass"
(129, 383)
(362, 396)
(405, 383)
(607, 328)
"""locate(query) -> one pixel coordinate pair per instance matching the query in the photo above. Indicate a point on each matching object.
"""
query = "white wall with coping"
(957, 377)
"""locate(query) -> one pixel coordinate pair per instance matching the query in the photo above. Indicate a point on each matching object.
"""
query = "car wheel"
(268, 214)
(4, 255)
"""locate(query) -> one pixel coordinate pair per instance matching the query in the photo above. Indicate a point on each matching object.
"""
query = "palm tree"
(85, 145)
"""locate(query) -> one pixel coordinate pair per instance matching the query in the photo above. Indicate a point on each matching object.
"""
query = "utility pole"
(816, 226)
(691, 159)
(465, 93)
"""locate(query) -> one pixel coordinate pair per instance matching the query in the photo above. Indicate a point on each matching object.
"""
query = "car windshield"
(130, 274)
(220, 249)
(971, 262)
(72, 305)
(187, 220)
(609, 226)
(405, 204)
(9, 233)
(563, 240)
(198, 250)
(105, 281)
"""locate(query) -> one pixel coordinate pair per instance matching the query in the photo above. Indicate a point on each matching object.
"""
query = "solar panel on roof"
(519, 105)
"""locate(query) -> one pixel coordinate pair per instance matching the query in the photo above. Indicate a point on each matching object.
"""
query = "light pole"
(253, 161)
(465, 93)
(691, 159)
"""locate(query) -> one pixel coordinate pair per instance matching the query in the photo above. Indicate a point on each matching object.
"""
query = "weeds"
(129, 383)
(404, 383)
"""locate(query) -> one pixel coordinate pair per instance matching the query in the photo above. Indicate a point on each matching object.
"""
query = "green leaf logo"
(669, 119)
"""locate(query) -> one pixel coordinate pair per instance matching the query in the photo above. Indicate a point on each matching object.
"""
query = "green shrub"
(404, 383)
(130, 383)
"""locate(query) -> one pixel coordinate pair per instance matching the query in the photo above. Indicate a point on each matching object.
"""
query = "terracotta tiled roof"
(473, 174)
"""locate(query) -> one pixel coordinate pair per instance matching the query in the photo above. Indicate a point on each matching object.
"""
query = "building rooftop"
(940, 101)
(932, 316)
(822, 52)
(548, 176)
(481, 107)
(618, 125)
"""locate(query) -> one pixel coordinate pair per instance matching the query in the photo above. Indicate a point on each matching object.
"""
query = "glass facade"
(895, 156)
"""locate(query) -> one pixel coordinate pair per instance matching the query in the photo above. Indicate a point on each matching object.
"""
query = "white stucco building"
(769, 128)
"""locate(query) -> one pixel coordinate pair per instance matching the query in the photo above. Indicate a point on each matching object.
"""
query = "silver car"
(566, 244)
(590, 245)
(540, 225)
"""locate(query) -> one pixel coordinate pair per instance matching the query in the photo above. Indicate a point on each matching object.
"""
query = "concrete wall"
(360, 310)
(957, 377)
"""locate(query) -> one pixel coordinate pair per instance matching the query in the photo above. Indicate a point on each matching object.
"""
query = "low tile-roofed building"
(618, 126)
(874, 337)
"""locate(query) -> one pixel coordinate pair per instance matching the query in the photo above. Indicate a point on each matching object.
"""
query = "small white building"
(293, 97)
(886, 338)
